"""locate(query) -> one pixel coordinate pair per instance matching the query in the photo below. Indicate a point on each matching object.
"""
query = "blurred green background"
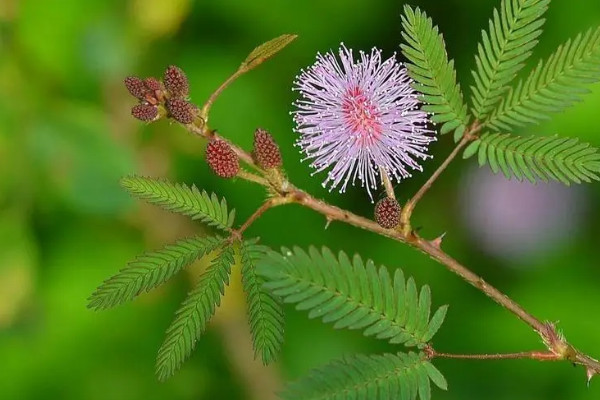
(66, 137)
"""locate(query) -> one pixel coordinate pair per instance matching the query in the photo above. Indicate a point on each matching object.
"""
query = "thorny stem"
(409, 207)
(553, 340)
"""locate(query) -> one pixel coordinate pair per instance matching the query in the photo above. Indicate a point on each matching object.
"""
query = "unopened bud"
(145, 112)
(176, 82)
(222, 159)
(136, 87)
(181, 110)
(266, 151)
(152, 84)
(387, 213)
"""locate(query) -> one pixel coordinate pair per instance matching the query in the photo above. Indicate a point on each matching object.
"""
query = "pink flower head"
(358, 116)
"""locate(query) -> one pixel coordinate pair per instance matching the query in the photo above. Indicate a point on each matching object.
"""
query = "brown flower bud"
(387, 213)
(222, 159)
(145, 112)
(176, 82)
(181, 110)
(266, 151)
(152, 84)
(136, 87)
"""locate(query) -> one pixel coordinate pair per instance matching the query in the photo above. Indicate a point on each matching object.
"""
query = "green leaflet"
(265, 312)
(352, 294)
(537, 158)
(503, 49)
(267, 50)
(434, 75)
(149, 271)
(181, 199)
(193, 315)
(388, 376)
(553, 85)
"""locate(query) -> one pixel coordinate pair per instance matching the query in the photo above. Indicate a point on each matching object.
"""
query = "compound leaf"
(553, 86)
(512, 34)
(265, 311)
(193, 315)
(537, 158)
(361, 377)
(352, 294)
(433, 74)
(149, 271)
(182, 199)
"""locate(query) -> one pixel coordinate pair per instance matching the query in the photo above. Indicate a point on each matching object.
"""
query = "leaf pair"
(552, 86)
(152, 269)
(353, 294)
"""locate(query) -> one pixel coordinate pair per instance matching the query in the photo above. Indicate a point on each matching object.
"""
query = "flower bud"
(145, 112)
(136, 87)
(176, 82)
(181, 110)
(266, 151)
(152, 84)
(222, 159)
(387, 213)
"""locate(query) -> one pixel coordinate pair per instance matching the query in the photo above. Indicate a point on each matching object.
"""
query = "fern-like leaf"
(193, 315)
(512, 35)
(382, 377)
(149, 271)
(265, 311)
(537, 158)
(553, 85)
(182, 199)
(434, 75)
(353, 295)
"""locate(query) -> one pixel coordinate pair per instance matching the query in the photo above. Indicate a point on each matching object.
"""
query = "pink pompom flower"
(355, 117)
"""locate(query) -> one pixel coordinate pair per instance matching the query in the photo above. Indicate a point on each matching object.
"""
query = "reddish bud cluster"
(387, 213)
(266, 152)
(181, 110)
(222, 159)
(149, 92)
(176, 82)
(152, 94)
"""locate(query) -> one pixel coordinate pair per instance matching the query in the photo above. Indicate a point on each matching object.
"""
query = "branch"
(287, 193)
(409, 207)
(204, 113)
(532, 355)
(273, 202)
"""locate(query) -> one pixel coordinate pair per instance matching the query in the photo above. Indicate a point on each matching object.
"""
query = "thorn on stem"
(590, 372)
(437, 242)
